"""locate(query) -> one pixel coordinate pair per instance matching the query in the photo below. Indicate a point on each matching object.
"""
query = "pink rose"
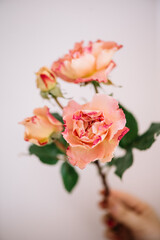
(46, 79)
(84, 64)
(93, 130)
(41, 127)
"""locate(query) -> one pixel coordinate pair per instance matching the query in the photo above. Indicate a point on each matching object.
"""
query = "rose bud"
(87, 63)
(46, 79)
(42, 127)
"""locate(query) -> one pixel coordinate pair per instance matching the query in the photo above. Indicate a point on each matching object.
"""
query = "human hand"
(138, 219)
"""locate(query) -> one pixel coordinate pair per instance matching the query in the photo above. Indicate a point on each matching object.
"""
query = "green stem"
(95, 88)
(59, 104)
(103, 178)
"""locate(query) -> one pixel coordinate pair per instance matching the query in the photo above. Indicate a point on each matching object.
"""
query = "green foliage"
(145, 140)
(56, 92)
(61, 139)
(122, 163)
(44, 95)
(58, 117)
(69, 176)
(108, 83)
(96, 83)
(46, 154)
(132, 124)
(133, 140)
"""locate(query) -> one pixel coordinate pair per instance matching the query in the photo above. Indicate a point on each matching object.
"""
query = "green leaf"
(58, 117)
(110, 83)
(132, 124)
(145, 140)
(122, 163)
(96, 83)
(69, 176)
(56, 92)
(46, 154)
(44, 95)
(61, 139)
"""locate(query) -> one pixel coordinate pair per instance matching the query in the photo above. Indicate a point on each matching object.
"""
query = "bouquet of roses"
(87, 133)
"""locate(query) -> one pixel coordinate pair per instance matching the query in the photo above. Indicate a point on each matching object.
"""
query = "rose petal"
(71, 108)
(120, 134)
(109, 106)
(90, 63)
(94, 130)
(109, 148)
(80, 156)
(104, 58)
(100, 76)
(40, 127)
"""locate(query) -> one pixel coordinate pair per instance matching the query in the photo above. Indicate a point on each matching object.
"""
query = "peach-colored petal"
(86, 128)
(106, 104)
(68, 112)
(96, 47)
(37, 127)
(40, 128)
(79, 67)
(109, 148)
(71, 139)
(99, 45)
(87, 63)
(41, 112)
(104, 58)
(99, 76)
(81, 156)
(111, 111)
(120, 134)
(57, 69)
(109, 45)
(71, 108)
(93, 130)
(48, 117)
(119, 122)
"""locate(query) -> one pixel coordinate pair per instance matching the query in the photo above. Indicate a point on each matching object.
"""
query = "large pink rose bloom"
(84, 64)
(42, 127)
(93, 130)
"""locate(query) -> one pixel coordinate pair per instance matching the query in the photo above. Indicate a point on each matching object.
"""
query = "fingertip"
(102, 192)
(109, 234)
(109, 221)
(116, 209)
(103, 204)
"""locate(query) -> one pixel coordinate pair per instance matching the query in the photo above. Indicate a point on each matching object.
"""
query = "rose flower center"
(90, 127)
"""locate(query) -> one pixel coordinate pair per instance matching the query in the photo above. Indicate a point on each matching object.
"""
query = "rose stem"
(95, 87)
(59, 104)
(119, 228)
(103, 178)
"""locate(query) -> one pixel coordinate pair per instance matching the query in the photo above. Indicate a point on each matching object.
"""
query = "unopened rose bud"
(46, 79)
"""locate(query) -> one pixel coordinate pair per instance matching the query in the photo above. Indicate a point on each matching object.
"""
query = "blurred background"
(33, 202)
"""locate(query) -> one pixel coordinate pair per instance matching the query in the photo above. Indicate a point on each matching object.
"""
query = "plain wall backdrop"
(33, 202)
